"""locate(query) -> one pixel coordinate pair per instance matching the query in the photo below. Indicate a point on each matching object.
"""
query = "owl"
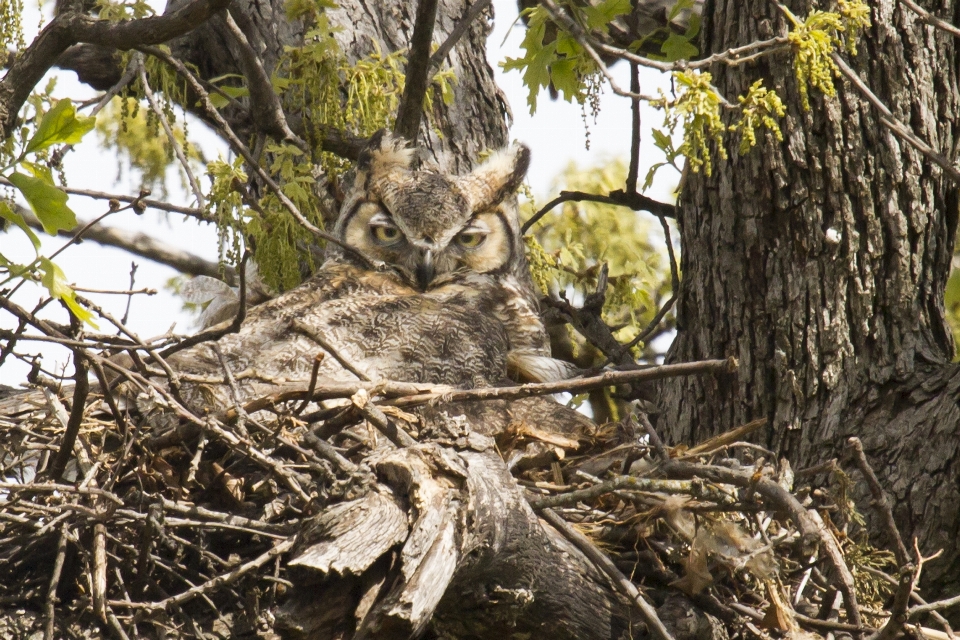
(452, 301)
(441, 233)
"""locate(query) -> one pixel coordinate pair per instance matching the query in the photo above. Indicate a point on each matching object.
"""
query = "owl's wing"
(524, 365)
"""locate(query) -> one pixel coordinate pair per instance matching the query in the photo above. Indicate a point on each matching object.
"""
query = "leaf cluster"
(577, 238)
(58, 124)
(554, 57)
(815, 39)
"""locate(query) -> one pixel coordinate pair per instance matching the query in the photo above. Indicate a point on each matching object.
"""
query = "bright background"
(555, 135)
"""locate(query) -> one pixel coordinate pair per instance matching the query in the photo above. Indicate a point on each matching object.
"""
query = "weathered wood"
(477, 562)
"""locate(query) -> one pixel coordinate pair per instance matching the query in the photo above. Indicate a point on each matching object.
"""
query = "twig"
(418, 70)
(879, 502)
(724, 439)
(809, 522)
(630, 483)
(327, 450)
(634, 169)
(216, 332)
(620, 581)
(674, 290)
(214, 583)
(407, 394)
(16, 487)
(110, 399)
(314, 373)
(125, 292)
(577, 385)
(635, 201)
(907, 584)
(142, 245)
(80, 390)
(655, 440)
(929, 18)
(888, 120)
(461, 28)
(193, 212)
(939, 605)
(133, 279)
(265, 103)
(396, 435)
(71, 26)
(172, 139)
(51, 604)
(98, 579)
(251, 161)
(318, 337)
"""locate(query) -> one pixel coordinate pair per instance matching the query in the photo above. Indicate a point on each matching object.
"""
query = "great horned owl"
(453, 304)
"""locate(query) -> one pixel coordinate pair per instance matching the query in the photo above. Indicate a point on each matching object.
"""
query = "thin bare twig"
(212, 584)
(51, 603)
(216, 332)
(239, 147)
(172, 139)
(929, 18)
(630, 483)
(810, 523)
(620, 581)
(81, 387)
(376, 417)
(880, 503)
(461, 28)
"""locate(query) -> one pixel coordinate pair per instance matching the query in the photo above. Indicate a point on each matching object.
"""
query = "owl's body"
(452, 301)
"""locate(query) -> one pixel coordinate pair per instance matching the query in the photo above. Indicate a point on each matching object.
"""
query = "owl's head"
(430, 226)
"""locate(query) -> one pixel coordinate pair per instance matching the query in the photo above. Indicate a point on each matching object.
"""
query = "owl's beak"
(425, 271)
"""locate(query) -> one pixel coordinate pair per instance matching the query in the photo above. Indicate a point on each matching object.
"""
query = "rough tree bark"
(820, 263)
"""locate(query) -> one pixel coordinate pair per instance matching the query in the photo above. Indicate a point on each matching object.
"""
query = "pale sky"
(555, 135)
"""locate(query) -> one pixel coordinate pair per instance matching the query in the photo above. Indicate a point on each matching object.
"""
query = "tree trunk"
(820, 263)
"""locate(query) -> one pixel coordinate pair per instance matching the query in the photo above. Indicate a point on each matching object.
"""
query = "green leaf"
(693, 26)
(8, 214)
(60, 125)
(601, 15)
(648, 181)
(219, 101)
(56, 283)
(41, 171)
(47, 201)
(678, 47)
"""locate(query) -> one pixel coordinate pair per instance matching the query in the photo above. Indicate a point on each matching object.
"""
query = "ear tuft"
(498, 177)
(385, 152)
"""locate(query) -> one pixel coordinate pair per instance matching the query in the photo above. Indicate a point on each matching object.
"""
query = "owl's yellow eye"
(471, 240)
(384, 234)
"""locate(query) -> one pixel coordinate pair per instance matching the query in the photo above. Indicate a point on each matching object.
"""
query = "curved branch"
(635, 201)
(68, 29)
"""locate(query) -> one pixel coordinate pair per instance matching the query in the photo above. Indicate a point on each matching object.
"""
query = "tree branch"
(929, 18)
(620, 581)
(70, 28)
(471, 14)
(142, 245)
(418, 71)
(635, 201)
(265, 106)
